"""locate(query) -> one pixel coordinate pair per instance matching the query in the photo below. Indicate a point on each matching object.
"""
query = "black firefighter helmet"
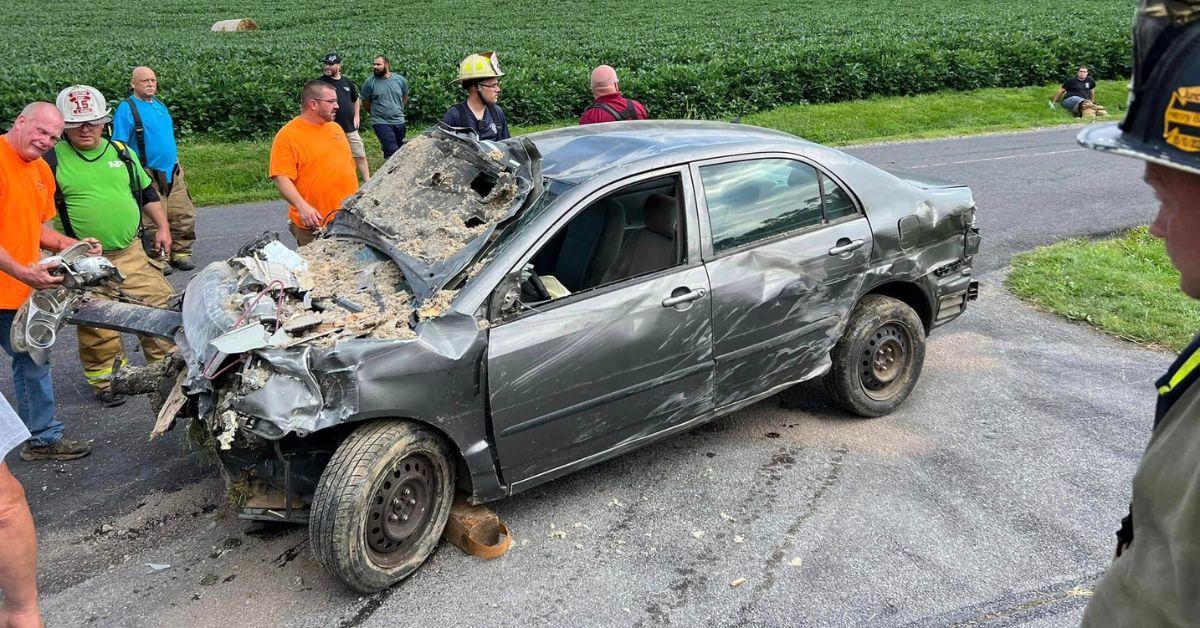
(1163, 121)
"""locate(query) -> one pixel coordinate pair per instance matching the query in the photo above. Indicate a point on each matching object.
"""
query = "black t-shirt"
(347, 95)
(1076, 87)
(493, 126)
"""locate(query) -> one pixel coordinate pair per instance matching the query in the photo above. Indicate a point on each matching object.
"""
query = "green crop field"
(683, 59)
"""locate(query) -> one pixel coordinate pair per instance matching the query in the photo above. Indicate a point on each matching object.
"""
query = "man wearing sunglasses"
(311, 163)
(479, 76)
(102, 192)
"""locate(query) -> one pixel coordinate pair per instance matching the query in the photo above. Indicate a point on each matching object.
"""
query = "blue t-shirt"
(386, 96)
(493, 126)
(157, 128)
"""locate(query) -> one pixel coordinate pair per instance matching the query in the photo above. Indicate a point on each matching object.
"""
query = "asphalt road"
(990, 497)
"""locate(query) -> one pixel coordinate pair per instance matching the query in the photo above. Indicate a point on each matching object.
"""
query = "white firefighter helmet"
(82, 103)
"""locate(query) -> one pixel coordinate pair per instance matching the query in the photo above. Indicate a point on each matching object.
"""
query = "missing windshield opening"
(483, 184)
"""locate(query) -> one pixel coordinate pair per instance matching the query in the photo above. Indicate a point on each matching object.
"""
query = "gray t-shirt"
(12, 430)
(386, 96)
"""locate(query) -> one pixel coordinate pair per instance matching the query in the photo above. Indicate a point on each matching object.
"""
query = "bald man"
(155, 146)
(609, 105)
(26, 203)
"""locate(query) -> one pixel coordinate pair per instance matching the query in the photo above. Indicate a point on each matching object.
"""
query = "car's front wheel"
(381, 504)
(878, 359)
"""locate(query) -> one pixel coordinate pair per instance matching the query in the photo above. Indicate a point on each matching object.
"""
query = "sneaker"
(64, 449)
(183, 262)
(109, 398)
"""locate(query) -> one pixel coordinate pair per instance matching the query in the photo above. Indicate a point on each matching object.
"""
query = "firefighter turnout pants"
(100, 348)
(181, 212)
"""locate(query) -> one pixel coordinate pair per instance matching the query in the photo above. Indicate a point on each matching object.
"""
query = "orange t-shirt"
(317, 159)
(26, 201)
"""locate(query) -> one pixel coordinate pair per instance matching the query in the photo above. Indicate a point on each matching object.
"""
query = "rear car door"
(623, 348)
(786, 247)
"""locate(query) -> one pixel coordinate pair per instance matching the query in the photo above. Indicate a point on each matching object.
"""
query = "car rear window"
(757, 199)
(837, 201)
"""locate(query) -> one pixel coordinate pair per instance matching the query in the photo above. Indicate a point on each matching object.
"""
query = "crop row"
(682, 59)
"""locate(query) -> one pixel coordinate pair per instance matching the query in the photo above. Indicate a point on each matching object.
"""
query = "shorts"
(356, 145)
(1071, 103)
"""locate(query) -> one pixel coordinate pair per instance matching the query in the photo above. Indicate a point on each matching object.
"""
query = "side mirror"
(506, 299)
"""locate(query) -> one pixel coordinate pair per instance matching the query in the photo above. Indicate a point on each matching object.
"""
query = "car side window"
(760, 198)
(837, 201)
(634, 231)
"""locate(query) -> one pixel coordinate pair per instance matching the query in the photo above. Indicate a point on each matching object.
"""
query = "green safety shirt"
(95, 185)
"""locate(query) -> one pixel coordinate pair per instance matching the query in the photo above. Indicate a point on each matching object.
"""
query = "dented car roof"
(433, 209)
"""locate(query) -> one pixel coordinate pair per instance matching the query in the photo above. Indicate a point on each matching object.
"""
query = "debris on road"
(697, 534)
(737, 583)
(796, 562)
(157, 567)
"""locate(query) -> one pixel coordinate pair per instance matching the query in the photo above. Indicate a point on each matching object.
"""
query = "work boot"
(166, 269)
(64, 449)
(183, 261)
(109, 398)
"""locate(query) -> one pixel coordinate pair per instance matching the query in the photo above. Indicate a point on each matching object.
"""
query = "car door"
(582, 376)
(786, 248)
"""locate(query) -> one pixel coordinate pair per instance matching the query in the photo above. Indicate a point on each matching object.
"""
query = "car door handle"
(691, 295)
(844, 245)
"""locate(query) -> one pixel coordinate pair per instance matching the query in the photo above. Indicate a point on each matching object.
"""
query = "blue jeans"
(1070, 103)
(35, 390)
(391, 137)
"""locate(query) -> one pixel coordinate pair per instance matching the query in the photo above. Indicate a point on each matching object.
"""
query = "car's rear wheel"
(878, 359)
(381, 504)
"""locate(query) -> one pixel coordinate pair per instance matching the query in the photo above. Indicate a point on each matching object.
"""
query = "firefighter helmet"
(479, 66)
(1162, 124)
(82, 103)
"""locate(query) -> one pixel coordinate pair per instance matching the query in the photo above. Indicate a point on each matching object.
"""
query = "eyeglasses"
(490, 86)
(328, 100)
(91, 126)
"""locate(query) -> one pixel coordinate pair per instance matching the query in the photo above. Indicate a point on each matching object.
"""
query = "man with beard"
(479, 76)
(311, 163)
(348, 110)
(384, 96)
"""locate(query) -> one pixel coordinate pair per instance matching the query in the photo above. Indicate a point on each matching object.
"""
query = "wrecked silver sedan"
(489, 316)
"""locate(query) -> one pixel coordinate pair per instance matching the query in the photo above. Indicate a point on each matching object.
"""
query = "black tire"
(364, 527)
(878, 359)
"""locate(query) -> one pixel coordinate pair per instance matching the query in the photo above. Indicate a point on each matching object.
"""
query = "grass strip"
(222, 172)
(1123, 285)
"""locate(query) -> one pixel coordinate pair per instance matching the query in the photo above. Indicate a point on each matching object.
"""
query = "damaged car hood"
(436, 205)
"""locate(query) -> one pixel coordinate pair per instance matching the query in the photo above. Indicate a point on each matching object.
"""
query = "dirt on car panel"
(431, 205)
(345, 283)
